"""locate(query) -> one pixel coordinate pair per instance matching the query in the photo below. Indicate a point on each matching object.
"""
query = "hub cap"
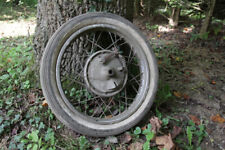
(105, 73)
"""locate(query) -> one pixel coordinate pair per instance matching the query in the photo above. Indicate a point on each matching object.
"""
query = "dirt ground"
(199, 79)
(17, 28)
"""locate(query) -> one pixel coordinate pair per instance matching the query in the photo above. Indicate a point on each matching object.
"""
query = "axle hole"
(110, 72)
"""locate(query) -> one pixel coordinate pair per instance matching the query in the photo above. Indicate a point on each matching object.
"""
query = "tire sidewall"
(49, 85)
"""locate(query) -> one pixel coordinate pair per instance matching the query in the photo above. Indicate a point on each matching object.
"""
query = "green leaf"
(4, 77)
(150, 136)
(83, 142)
(137, 131)
(1, 119)
(33, 136)
(165, 121)
(158, 114)
(29, 146)
(199, 148)
(35, 147)
(189, 135)
(146, 146)
(40, 142)
(24, 141)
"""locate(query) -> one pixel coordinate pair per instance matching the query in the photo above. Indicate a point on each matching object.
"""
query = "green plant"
(35, 142)
(164, 94)
(83, 143)
(194, 132)
(153, 27)
(147, 133)
(137, 132)
(149, 136)
(197, 36)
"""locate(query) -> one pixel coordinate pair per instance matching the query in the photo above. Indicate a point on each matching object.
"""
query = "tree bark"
(206, 22)
(174, 19)
(51, 14)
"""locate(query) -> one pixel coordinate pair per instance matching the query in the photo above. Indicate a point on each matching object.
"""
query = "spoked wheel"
(99, 74)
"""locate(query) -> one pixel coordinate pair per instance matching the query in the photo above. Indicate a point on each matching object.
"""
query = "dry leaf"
(112, 139)
(9, 60)
(125, 138)
(144, 127)
(176, 131)
(217, 118)
(109, 116)
(213, 82)
(135, 146)
(186, 97)
(177, 94)
(156, 124)
(177, 58)
(195, 119)
(31, 98)
(165, 142)
(44, 103)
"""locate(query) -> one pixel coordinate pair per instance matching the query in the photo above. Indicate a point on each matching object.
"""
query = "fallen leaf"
(213, 82)
(9, 60)
(195, 119)
(156, 124)
(44, 103)
(185, 29)
(135, 146)
(177, 94)
(165, 142)
(126, 138)
(112, 139)
(176, 131)
(178, 59)
(186, 97)
(217, 118)
(31, 98)
(15, 130)
(109, 116)
(144, 127)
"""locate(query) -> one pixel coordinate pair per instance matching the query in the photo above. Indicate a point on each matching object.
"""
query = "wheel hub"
(105, 73)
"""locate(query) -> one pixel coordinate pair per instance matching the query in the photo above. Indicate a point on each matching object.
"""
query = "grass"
(11, 13)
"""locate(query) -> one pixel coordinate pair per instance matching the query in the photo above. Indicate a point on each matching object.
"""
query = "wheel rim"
(77, 54)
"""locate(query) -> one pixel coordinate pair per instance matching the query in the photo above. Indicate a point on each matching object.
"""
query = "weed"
(163, 95)
(34, 141)
(153, 27)
(194, 135)
(148, 133)
(197, 36)
(149, 136)
(83, 143)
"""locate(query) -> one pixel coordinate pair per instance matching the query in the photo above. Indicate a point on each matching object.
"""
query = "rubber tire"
(48, 77)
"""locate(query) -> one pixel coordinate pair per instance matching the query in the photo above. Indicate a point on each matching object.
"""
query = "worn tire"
(49, 84)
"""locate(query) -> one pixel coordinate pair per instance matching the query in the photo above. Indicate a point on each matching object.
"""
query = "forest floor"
(190, 98)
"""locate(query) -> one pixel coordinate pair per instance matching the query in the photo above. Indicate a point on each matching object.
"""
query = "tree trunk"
(174, 19)
(206, 22)
(51, 14)
(137, 7)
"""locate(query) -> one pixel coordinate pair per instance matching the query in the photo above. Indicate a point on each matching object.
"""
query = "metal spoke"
(114, 43)
(107, 106)
(76, 59)
(96, 44)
